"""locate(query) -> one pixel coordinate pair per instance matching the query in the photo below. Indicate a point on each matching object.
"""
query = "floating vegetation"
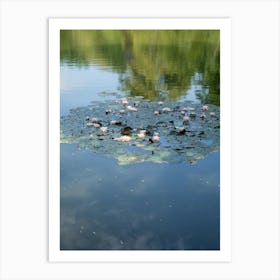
(178, 132)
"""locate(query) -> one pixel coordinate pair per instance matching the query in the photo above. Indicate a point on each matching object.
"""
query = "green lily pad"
(177, 141)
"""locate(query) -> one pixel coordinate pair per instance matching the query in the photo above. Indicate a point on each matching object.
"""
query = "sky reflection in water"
(146, 206)
(143, 206)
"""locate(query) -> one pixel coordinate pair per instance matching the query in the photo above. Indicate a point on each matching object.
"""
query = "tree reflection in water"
(151, 63)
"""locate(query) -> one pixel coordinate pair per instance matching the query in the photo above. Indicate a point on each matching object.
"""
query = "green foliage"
(149, 61)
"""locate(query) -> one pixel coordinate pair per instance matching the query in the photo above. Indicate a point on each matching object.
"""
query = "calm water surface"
(143, 206)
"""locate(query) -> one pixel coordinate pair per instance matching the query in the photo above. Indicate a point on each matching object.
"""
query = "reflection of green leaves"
(149, 61)
(200, 138)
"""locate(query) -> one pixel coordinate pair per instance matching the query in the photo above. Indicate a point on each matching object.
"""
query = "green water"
(149, 62)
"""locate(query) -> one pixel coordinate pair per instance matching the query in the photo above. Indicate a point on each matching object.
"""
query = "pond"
(140, 140)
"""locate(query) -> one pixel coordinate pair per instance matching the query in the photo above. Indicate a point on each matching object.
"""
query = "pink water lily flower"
(155, 138)
(141, 135)
(124, 102)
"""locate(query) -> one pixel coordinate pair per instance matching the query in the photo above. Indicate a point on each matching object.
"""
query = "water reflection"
(150, 63)
(138, 207)
(105, 206)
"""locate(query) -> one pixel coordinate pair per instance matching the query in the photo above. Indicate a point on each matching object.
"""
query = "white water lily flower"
(89, 124)
(130, 108)
(104, 129)
(186, 120)
(96, 125)
(166, 110)
(123, 138)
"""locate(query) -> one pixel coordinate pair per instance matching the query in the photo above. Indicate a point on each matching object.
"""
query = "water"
(141, 206)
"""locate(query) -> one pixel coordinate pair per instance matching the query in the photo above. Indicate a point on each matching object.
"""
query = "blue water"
(144, 206)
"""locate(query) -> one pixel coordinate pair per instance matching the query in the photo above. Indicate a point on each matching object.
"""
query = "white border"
(224, 254)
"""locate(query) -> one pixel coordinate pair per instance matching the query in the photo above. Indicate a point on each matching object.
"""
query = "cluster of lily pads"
(134, 130)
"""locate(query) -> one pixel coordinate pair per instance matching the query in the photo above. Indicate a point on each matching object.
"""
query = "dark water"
(144, 206)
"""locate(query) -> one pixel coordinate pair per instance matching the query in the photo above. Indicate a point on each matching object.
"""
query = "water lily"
(186, 120)
(166, 110)
(130, 108)
(124, 138)
(203, 116)
(124, 102)
(89, 124)
(212, 114)
(96, 125)
(181, 130)
(156, 112)
(155, 138)
(141, 135)
(204, 108)
(104, 129)
(144, 126)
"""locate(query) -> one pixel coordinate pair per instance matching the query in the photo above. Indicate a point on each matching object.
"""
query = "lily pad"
(164, 137)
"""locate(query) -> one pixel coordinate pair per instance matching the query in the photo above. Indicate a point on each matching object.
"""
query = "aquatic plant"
(112, 129)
